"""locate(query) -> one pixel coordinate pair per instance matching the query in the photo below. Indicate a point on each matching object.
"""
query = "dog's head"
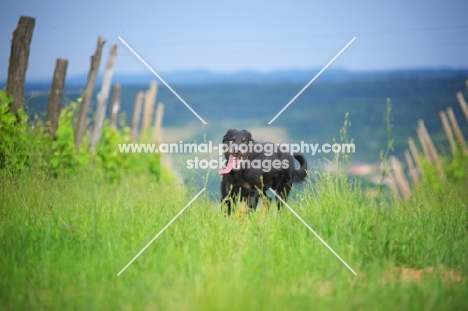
(238, 144)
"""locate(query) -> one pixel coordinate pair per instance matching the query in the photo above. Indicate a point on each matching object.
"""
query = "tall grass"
(63, 241)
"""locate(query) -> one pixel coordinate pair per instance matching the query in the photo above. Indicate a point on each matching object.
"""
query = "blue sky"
(242, 35)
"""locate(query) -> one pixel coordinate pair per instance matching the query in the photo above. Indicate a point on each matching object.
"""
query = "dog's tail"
(300, 174)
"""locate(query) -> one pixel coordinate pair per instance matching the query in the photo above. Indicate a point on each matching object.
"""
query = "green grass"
(63, 241)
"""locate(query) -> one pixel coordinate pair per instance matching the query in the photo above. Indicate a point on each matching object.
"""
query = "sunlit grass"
(63, 241)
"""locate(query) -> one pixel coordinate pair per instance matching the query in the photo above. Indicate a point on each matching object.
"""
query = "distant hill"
(194, 77)
(250, 99)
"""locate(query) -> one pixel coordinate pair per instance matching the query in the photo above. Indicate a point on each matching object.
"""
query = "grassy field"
(63, 241)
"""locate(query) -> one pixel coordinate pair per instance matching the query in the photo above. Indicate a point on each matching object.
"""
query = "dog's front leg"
(252, 200)
(227, 204)
(226, 196)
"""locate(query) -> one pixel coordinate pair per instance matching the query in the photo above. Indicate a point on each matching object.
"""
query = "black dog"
(250, 173)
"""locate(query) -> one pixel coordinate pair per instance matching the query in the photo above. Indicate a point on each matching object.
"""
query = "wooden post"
(412, 170)
(448, 131)
(415, 154)
(456, 129)
(432, 151)
(157, 123)
(427, 141)
(103, 96)
(56, 96)
(424, 146)
(400, 178)
(88, 93)
(149, 106)
(463, 104)
(18, 64)
(137, 115)
(115, 105)
(393, 186)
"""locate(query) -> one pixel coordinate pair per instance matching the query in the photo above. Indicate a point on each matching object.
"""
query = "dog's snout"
(242, 148)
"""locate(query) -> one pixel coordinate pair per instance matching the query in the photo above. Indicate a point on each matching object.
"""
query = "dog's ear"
(228, 134)
(248, 135)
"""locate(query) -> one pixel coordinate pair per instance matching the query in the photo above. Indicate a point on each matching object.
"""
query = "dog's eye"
(243, 139)
(233, 139)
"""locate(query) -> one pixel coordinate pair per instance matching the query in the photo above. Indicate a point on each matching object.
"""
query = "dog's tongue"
(232, 159)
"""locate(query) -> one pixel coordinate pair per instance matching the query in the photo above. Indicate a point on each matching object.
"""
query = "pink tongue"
(228, 168)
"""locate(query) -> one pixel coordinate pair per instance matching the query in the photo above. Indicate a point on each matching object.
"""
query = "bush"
(455, 168)
(25, 145)
(14, 138)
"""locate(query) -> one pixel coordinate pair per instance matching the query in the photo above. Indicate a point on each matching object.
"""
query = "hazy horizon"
(204, 76)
